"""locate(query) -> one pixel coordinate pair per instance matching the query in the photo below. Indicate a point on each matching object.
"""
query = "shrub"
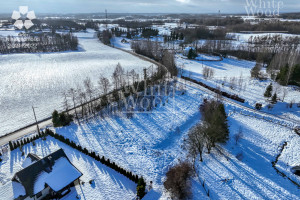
(256, 70)
(192, 54)
(268, 92)
(177, 182)
(140, 189)
(274, 99)
(61, 119)
(258, 106)
(240, 156)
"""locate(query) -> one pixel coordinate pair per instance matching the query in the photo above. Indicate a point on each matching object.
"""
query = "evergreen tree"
(10, 146)
(268, 92)
(192, 54)
(282, 76)
(181, 37)
(274, 98)
(215, 124)
(55, 118)
(140, 189)
(295, 76)
(128, 36)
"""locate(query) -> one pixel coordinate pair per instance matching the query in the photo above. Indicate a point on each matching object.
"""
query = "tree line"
(112, 95)
(155, 51)
(42, 42)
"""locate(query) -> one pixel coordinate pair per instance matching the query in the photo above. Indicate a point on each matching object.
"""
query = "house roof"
(296, 168)
(30, 159)
(33, 157)
(49, 168)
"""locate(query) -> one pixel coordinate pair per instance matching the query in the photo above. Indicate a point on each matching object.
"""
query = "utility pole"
(218, 18)
(145, 81)
(106, 19)
(37, 124)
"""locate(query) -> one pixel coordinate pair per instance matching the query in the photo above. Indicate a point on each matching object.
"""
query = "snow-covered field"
(252, 175)
(227, 76)
(39, 79)
(108, 184)
(149, 144)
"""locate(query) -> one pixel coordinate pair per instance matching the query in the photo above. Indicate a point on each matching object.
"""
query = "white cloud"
(183, 1)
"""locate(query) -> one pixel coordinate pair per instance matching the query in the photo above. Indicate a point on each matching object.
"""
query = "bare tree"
(168, 60)
(284, 93)
(118, 76)
(72, 93)
(104, 85)
(256, 70)
(133, 75)
(241, 81)
(207, 72)
(182, 67)
(177, 182)
(211, 73)
(89, 91)
(82, 100)
(195, 142)
(232, 83)
(65, 102)
(239, 135)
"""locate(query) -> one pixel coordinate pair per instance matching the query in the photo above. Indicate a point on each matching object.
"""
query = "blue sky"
(143, 6)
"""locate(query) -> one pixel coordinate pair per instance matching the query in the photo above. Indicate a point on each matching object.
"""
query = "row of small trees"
(133, 177)
(90, 99)
(216, 90)
(155, 51)
(43, 42)
(19, 143)
(289, 75)
(105, 36)
(149, 32)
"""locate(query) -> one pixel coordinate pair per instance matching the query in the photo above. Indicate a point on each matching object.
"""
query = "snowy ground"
(116, 42)
(248, 88)
(252, 176)
(39, 79)
(148, 144)
(108, 184)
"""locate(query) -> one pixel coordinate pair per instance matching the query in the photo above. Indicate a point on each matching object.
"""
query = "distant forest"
(34, 43)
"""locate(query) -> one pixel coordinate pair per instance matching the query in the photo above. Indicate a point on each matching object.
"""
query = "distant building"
(49, 177)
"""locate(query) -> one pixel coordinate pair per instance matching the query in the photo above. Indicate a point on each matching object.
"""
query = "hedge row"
(225, 94)
(92, 154)
(16, 144)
